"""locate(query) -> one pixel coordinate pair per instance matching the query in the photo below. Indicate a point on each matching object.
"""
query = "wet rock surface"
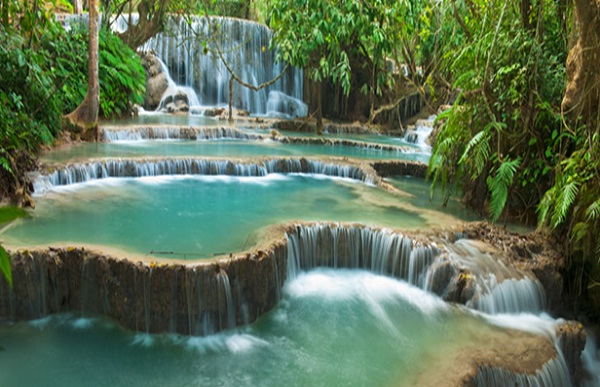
(156, 80)
(200, 298)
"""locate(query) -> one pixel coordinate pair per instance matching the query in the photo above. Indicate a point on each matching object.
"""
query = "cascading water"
(175, 92)
(80, 173)
(175, 133)
(421, 132)
(497, 287)
(388, 253)
(193, 62)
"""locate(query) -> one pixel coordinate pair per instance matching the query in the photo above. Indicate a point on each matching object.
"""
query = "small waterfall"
(505, 290)
(80, 173)
(512, 296)
(591, 360)
(420, 133)
(245, 46)
(113, 134)
(497, 288)
(280, 104)
(381, 251)
(175, 93)
(554, 373)
(225, 298)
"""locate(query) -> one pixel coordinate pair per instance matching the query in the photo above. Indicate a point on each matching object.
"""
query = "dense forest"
(519, 140)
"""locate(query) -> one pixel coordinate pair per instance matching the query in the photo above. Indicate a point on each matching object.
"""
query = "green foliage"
(572, 205)
(121, 75)
(5, 266)
(43, 75)
(329, 38)
(509, 68)
(29, 116)
(498, 183)
(8, 214)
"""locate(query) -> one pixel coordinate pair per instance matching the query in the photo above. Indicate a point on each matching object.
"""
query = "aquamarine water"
(151, 118)
(348, 328)
(221, 149)
(200, 216)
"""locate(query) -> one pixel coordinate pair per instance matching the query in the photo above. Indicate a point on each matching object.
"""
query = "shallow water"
(153, 118)
(331, 328)
(221, 149)
(200, 216)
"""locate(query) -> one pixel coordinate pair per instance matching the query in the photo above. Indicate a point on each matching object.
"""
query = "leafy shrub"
(29, 112)
(121, 75)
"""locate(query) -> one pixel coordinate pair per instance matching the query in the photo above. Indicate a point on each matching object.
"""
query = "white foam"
(341, 285)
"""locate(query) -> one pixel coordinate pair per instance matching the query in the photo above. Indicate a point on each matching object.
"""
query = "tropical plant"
(500, 140)
(122, 77)
(8, 214)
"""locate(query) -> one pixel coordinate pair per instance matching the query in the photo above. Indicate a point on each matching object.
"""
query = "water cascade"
(552, 374)
(80, 173)
(113, 134)
(496, 287)
(388, 253)
(204, 299)
(421, 132)
(175, 93)
(245, 46)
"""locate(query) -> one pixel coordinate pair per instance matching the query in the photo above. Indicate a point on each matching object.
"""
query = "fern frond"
(593, 211)
(565, 199)
(545, 204)
(498, 185)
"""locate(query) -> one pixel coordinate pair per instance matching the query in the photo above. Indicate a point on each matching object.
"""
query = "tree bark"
(77, 7)
(582, 96)
(84, 120)
(151, 21)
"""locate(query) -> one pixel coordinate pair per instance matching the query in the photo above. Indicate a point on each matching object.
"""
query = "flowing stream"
(357, 304)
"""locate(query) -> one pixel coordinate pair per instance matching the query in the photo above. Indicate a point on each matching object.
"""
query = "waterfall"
(194, 63)
(591, 360)
(421, 132)
(498, 288)
(380, 251)
(80, 173)
(175, 92)
(512, 296)
(551, 374)
(112, 134)
(225, 298)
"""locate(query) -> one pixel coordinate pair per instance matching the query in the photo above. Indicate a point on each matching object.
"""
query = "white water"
(515, 302)
(175, 133)
(245, 46)
(420, 133)
(82, 173)
(591, 360)
(173, 90)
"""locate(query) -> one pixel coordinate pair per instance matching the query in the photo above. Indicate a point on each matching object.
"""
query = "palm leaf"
(593, 211)
(5, 266)
(498, 184)
(565, 199)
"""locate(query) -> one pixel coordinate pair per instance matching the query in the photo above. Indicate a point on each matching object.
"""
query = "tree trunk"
(84, 120)
(150, 22)
(582, 97)
(319, 107)
(77, 7)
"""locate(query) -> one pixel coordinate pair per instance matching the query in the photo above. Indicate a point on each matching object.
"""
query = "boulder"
(156, 80)
(175, 103)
